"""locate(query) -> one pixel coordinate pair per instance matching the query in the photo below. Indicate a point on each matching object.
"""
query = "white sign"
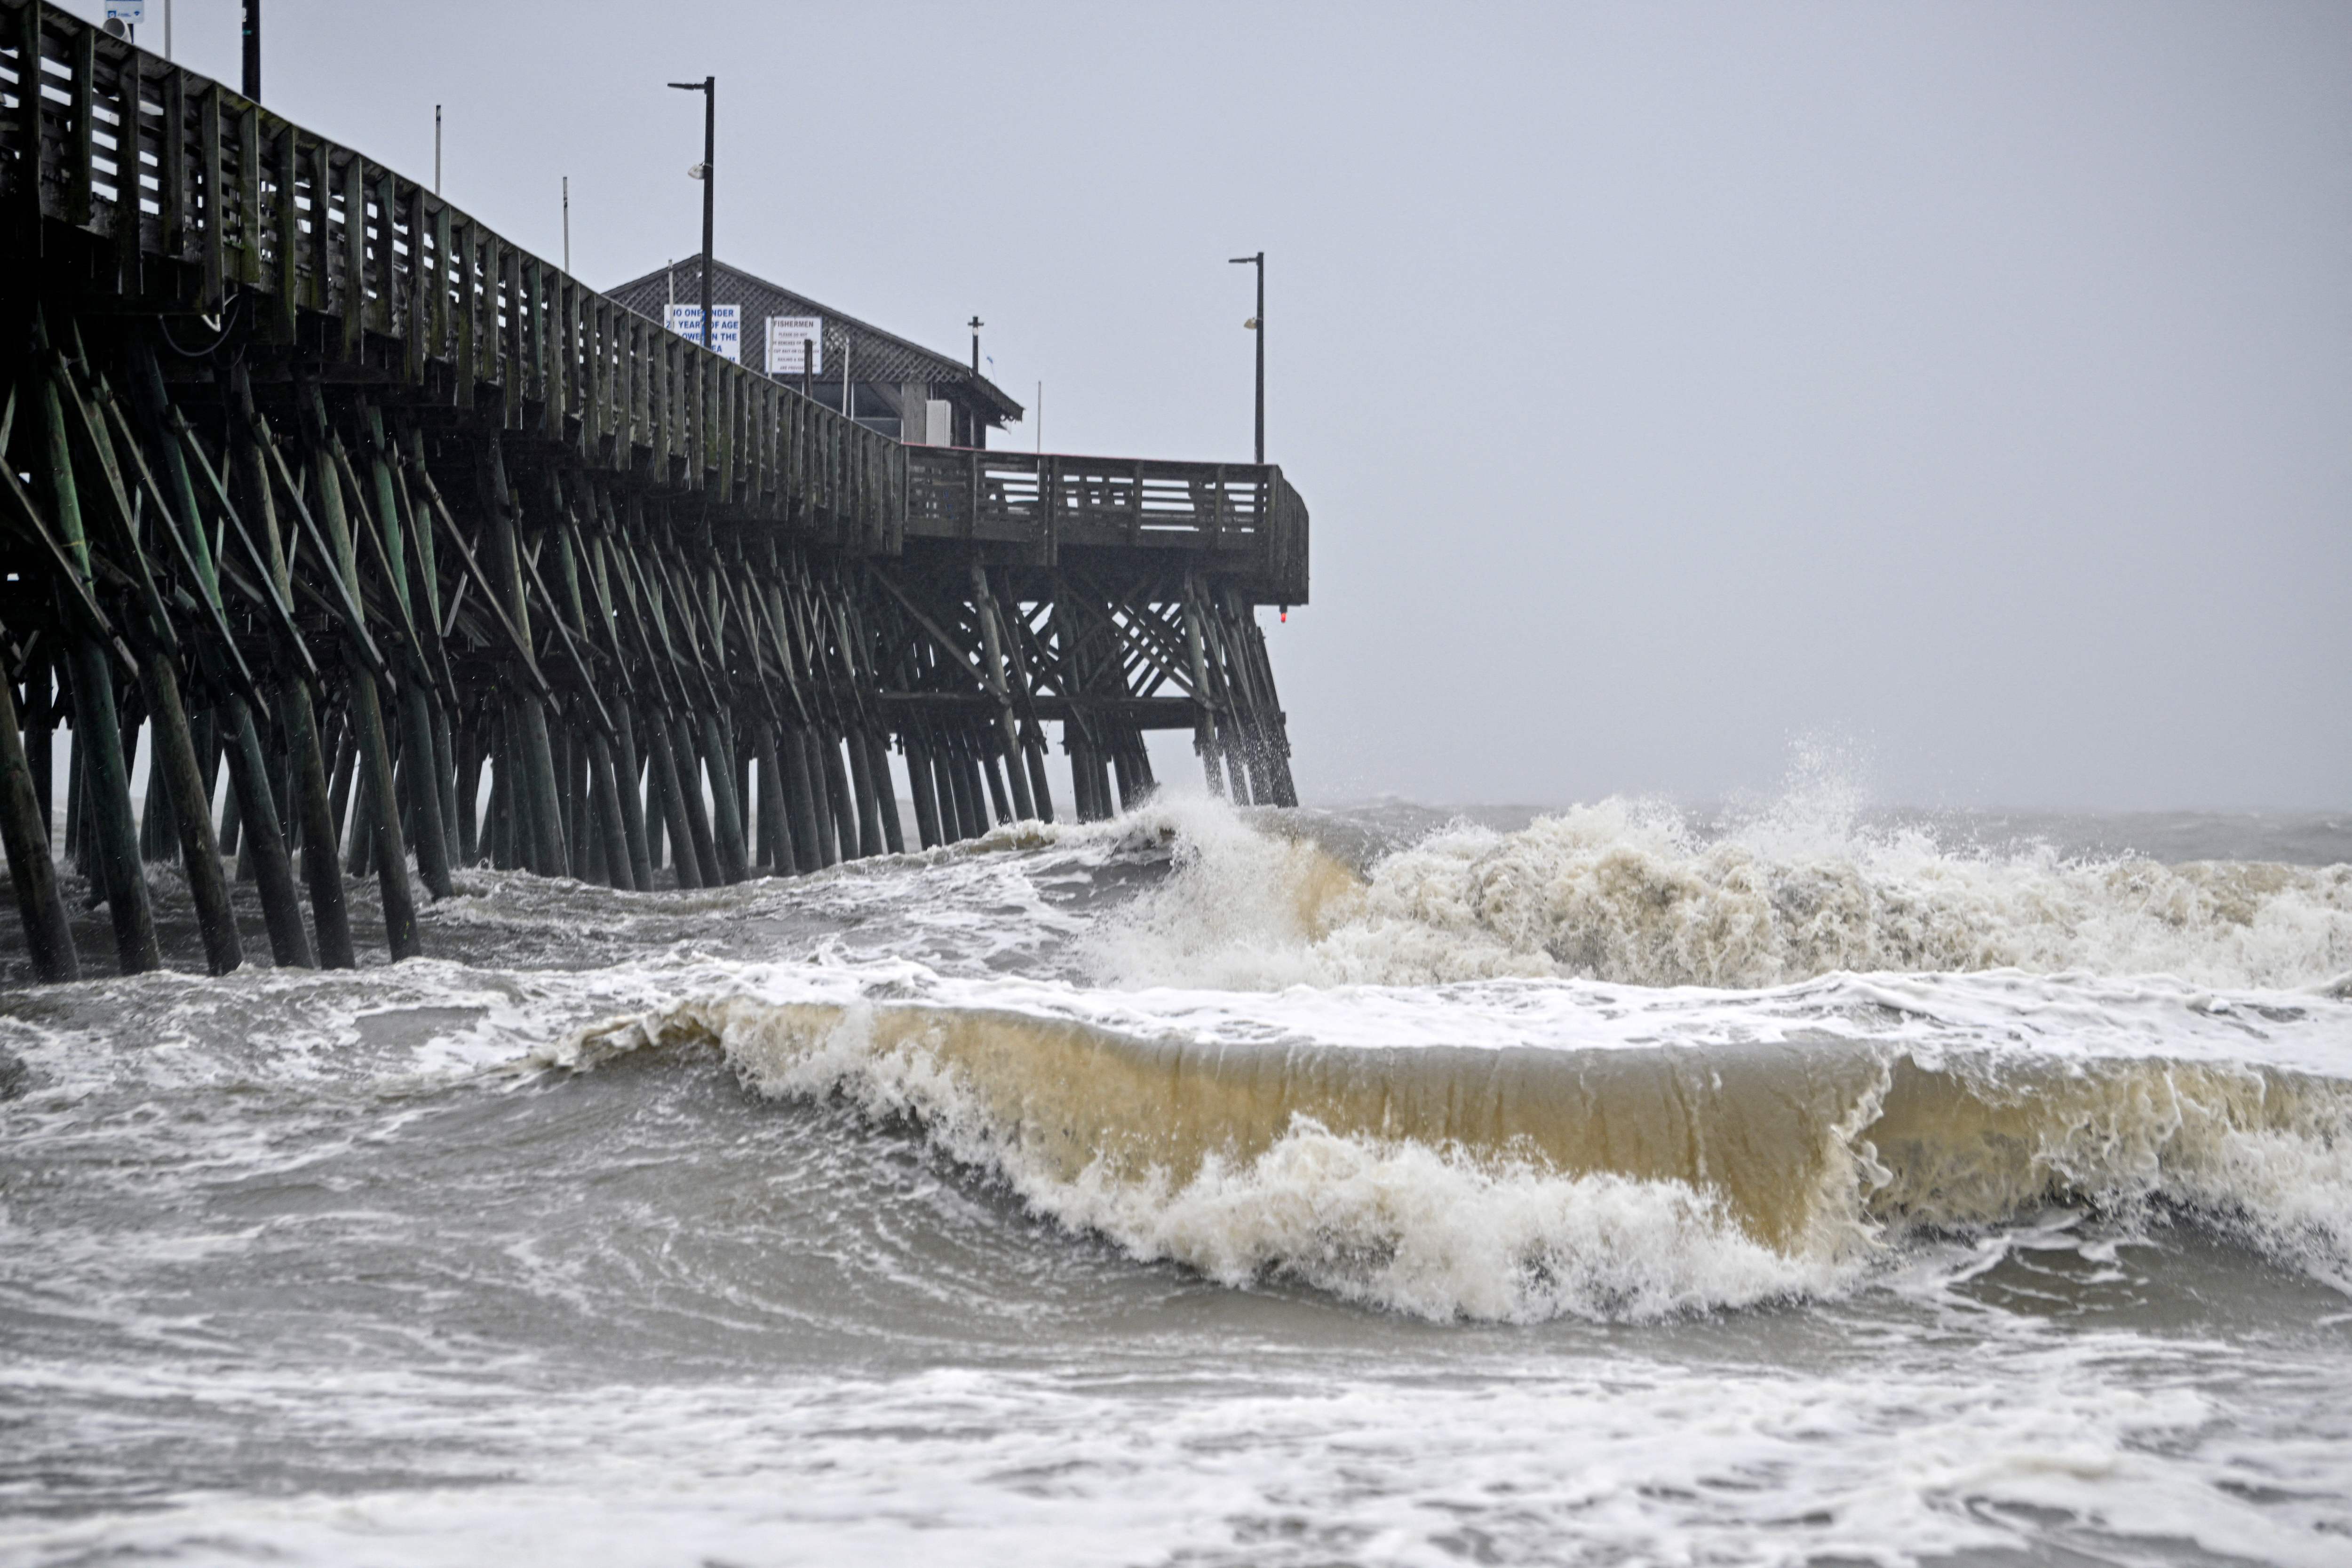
(132, 11)
(726, 329)
(789, 337)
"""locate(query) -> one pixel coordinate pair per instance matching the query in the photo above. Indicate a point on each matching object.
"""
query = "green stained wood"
(24, 833)
(249, 195)
(97, 731)
(285, 163)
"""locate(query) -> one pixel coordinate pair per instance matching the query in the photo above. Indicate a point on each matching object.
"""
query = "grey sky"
(1969, 386)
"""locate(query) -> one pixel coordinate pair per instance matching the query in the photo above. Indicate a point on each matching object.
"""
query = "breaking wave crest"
(1521, 1184)
(1631, 892)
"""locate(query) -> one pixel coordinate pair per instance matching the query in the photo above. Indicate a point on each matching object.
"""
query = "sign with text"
(792, 337)
(726, 327)
(132, 11)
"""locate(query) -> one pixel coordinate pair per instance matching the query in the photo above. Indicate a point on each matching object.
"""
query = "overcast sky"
(1967, 387)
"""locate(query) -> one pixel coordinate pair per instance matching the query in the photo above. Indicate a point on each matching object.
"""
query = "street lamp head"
(1250, 260)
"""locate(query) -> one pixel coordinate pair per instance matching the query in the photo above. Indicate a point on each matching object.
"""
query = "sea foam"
(1632, 891)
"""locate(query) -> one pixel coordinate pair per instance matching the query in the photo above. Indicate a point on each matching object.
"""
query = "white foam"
(1622, 1461)
(1630, 892)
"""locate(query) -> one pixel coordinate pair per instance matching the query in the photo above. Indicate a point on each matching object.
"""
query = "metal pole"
(1257, 324)
(710, 191)
(436, 149)
(567, 225)
(1260, 357)
(253, 49)
(976, 324)
(709, 87)
(167, 29)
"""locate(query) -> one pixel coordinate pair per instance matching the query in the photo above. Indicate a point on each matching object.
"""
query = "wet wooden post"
(1205, 721)
(683, 747)
(634, 827)
(41, 738)
(983, 600)
(98, 732)
(861, 788)
(894, 831)
(251, 808)
(661, 732)
(919, 784)
(547, 857)
(955, 806)
(316, 822)
(24, 833)
(420, 758)
(381, 791)
(775, 837)
(727, 810)
(469, 794)
(173, 745)
(838, 799)
(804, 801)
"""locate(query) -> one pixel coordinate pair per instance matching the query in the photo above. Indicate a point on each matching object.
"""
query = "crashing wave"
(1520, 1183)
(1632, 893)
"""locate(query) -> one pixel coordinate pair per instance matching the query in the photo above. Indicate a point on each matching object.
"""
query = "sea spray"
(1632, 891)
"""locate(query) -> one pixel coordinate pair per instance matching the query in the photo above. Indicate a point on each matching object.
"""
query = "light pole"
(1257, 324)
(709, 87)
(253, 49)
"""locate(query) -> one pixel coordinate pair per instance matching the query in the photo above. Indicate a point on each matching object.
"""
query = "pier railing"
(228, 205)
(1247, 513)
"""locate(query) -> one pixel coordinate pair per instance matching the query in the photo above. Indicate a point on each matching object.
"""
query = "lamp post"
(708, 175)
(1257, 324)
(253, 49)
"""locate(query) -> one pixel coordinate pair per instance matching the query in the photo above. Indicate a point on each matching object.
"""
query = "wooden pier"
(314, 477)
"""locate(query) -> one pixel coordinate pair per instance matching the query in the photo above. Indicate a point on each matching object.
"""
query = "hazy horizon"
(1963, 389)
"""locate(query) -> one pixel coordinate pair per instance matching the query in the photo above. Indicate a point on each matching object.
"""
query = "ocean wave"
(1524, 1184)
(1632, 892)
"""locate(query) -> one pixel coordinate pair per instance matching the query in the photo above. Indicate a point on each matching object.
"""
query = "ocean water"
(1789, 1184)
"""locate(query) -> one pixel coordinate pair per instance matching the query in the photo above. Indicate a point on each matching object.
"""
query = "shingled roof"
(874, 354)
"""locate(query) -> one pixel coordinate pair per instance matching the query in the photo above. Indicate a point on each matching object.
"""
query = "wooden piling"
(726, 811)
(24, 831)
(777, 849)
(98, 732)
(661, 748)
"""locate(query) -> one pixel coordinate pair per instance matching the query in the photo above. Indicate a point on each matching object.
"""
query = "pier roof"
(875, 353)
